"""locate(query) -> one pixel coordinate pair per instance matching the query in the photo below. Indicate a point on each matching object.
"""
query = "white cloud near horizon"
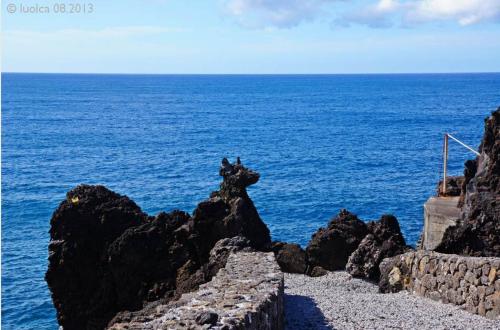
(262, 14)
(465, 12)
(259, 14)
(408, 13)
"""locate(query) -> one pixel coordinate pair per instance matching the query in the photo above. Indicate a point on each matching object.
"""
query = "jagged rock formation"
(453, 186)
(330, 247)
(470, 169)
(230, 212)
(478, 232)
(346, 243)
(107, 256)
(108, 259)
(351, 244)
(82, 229)
(290, 257)
(384, 240)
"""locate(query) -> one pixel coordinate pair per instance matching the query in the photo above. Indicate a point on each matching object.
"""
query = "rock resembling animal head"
(236, 178)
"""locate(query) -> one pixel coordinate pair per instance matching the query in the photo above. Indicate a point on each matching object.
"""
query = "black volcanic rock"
(236, 178)
(290, 257)
(478, 231)
(82, 230)
(230, 212)
(384, 240)
(348, 243)
(470, 169)
(144, 257)
(331, 247)
(107, 256)
(188, 277)
(453, 186)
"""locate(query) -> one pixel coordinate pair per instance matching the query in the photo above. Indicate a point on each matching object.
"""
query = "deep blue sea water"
(368, 143)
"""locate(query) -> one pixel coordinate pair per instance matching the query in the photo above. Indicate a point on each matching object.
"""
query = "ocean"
(369, 143)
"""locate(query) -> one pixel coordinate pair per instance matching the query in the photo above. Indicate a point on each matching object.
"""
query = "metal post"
(445, 162)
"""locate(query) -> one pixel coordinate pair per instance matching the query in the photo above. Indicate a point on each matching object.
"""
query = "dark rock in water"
(453, 186)
(236, 178)
(230, 212)
(383, 240)
(348, 243)
(331, 247)
(107, 256)
(478, 231)
(290, 257)
(82, 230)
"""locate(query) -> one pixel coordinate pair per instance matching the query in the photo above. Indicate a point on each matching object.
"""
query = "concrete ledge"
(246, 294)
(473, 283)
(439, 214)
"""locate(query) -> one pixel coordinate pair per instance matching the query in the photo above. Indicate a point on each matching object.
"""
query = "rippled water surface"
(368, 143)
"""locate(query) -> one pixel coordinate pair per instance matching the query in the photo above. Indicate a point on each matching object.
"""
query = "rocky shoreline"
(108, 259)
(107, 256)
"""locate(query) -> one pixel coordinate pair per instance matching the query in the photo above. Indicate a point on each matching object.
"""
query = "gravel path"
(337, 301)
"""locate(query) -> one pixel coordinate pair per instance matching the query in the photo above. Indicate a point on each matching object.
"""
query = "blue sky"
(255, 36)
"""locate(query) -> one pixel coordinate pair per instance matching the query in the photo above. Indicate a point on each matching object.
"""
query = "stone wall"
(473, 283)
(246, 294)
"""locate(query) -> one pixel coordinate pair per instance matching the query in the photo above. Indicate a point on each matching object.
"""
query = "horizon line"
(251, 74)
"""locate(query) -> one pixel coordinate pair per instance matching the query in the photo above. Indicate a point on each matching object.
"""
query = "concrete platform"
(439, 214)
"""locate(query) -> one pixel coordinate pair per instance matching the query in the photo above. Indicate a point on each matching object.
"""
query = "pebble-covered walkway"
(337, 301)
